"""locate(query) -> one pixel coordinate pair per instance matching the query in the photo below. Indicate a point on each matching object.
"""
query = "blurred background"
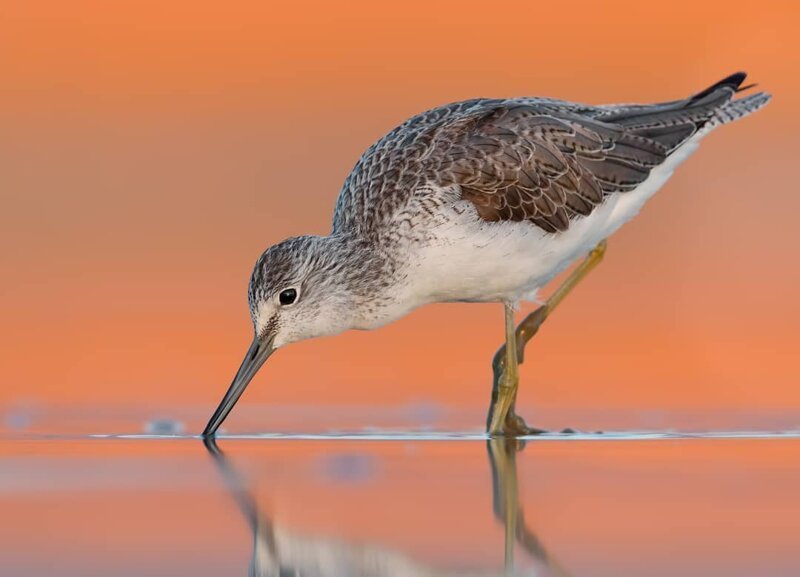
(149, 151)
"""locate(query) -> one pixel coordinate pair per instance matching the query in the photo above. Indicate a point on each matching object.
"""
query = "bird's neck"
(374, 279)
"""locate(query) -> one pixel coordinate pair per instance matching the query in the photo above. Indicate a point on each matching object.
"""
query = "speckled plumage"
(543, 160)
(481, 200)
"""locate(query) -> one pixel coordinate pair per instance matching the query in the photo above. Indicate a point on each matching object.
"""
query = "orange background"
(149, 151)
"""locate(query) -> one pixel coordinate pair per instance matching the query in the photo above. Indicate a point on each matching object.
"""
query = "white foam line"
(470, 436)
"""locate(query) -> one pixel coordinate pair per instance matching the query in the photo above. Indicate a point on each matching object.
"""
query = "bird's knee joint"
(600, 250)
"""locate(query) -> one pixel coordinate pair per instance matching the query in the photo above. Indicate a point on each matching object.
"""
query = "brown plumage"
(536, 159)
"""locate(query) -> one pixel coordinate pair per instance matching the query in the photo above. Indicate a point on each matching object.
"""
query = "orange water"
(582, 508)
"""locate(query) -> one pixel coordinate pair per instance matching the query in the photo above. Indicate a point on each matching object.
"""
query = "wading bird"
(483, 200)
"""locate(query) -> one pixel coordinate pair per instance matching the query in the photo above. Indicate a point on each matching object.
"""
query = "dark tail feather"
(693, 112)
(734, 81)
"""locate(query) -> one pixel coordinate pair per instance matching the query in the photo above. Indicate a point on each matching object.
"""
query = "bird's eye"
(287, 296)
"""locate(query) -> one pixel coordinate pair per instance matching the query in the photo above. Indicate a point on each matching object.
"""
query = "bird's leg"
(504, 390)
(502, 416)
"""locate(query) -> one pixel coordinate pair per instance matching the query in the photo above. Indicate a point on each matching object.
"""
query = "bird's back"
(546, 161)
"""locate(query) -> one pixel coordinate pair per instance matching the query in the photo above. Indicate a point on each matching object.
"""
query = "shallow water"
(151, 500)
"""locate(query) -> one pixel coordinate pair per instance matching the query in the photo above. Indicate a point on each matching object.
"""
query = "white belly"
(473, 260)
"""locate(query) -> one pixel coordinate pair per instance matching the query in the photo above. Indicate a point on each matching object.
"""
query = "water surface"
(399, 504)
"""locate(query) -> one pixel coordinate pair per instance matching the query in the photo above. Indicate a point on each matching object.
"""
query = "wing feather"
(538, 161)
(528, 159)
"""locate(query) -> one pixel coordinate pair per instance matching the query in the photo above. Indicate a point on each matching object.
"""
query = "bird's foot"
(515, 426)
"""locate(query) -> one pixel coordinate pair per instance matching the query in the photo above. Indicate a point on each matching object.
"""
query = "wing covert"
(517, 162)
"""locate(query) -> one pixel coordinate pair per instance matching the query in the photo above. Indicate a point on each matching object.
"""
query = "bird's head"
(298, 290)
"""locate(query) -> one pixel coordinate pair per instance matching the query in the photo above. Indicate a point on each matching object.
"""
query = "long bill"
(257, 354)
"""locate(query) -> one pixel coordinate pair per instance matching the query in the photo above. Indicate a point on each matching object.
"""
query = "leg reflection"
(505, 497)
(280, 552)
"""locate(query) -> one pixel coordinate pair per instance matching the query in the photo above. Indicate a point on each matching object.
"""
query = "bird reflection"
(280, 553)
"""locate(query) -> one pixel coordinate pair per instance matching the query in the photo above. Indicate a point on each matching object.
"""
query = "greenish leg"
(502, 418)
(504, 391)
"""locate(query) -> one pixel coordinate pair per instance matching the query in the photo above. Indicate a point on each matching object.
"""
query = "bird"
(484, 200)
